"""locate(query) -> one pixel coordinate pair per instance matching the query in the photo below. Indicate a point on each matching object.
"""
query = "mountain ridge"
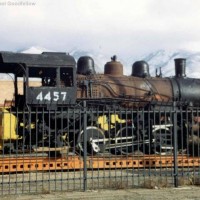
(160, 59)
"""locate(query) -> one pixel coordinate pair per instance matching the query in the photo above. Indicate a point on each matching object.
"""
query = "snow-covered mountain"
(159, 59)
(35, 50)
(165, 60)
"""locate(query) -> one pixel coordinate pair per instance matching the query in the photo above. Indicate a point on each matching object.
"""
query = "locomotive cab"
(48, 78)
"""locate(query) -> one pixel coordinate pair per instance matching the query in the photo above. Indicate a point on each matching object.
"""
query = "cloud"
(127, 27)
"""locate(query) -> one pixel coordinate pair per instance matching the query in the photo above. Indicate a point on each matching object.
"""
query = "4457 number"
(52, 96)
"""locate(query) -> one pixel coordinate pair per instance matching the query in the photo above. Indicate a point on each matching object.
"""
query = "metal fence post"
(84, 146)
(175, 145)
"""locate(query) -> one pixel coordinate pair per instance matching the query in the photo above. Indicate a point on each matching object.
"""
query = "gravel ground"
(183, 193)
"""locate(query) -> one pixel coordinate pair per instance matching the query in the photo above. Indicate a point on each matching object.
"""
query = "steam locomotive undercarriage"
(100, 130)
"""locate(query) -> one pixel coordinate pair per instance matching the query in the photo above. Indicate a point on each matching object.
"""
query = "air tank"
(140, 69)
(85, 65)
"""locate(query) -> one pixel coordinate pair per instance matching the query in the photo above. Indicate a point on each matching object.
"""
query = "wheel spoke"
(95, 140)
(127, 141)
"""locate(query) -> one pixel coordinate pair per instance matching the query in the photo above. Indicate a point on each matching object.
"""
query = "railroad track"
(74, 162)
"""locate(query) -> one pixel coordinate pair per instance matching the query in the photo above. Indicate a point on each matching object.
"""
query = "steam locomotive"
(60, 103)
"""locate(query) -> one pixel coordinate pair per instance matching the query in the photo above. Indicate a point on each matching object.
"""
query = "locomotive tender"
(46, 113)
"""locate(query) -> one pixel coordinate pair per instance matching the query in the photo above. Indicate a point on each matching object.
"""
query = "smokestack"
(180, 65)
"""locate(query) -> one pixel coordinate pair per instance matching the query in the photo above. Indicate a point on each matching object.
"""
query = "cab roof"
(11, 62)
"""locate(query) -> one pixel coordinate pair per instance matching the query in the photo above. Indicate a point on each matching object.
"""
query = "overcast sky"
(124, 27)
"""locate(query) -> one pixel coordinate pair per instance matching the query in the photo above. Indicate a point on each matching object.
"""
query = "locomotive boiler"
(139, 87)
(61, 103)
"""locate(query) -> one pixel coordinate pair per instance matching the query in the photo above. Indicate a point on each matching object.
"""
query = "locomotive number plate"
(51, 96)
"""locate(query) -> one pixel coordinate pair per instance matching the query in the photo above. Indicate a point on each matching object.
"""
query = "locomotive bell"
(180, 65)
(85, 65)
(140, 69)
(113, 67)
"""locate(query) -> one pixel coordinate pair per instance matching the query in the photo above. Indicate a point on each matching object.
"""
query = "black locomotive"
(60, 102)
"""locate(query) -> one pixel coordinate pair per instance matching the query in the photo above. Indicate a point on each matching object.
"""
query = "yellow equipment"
(8, 123)
(105, 125)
